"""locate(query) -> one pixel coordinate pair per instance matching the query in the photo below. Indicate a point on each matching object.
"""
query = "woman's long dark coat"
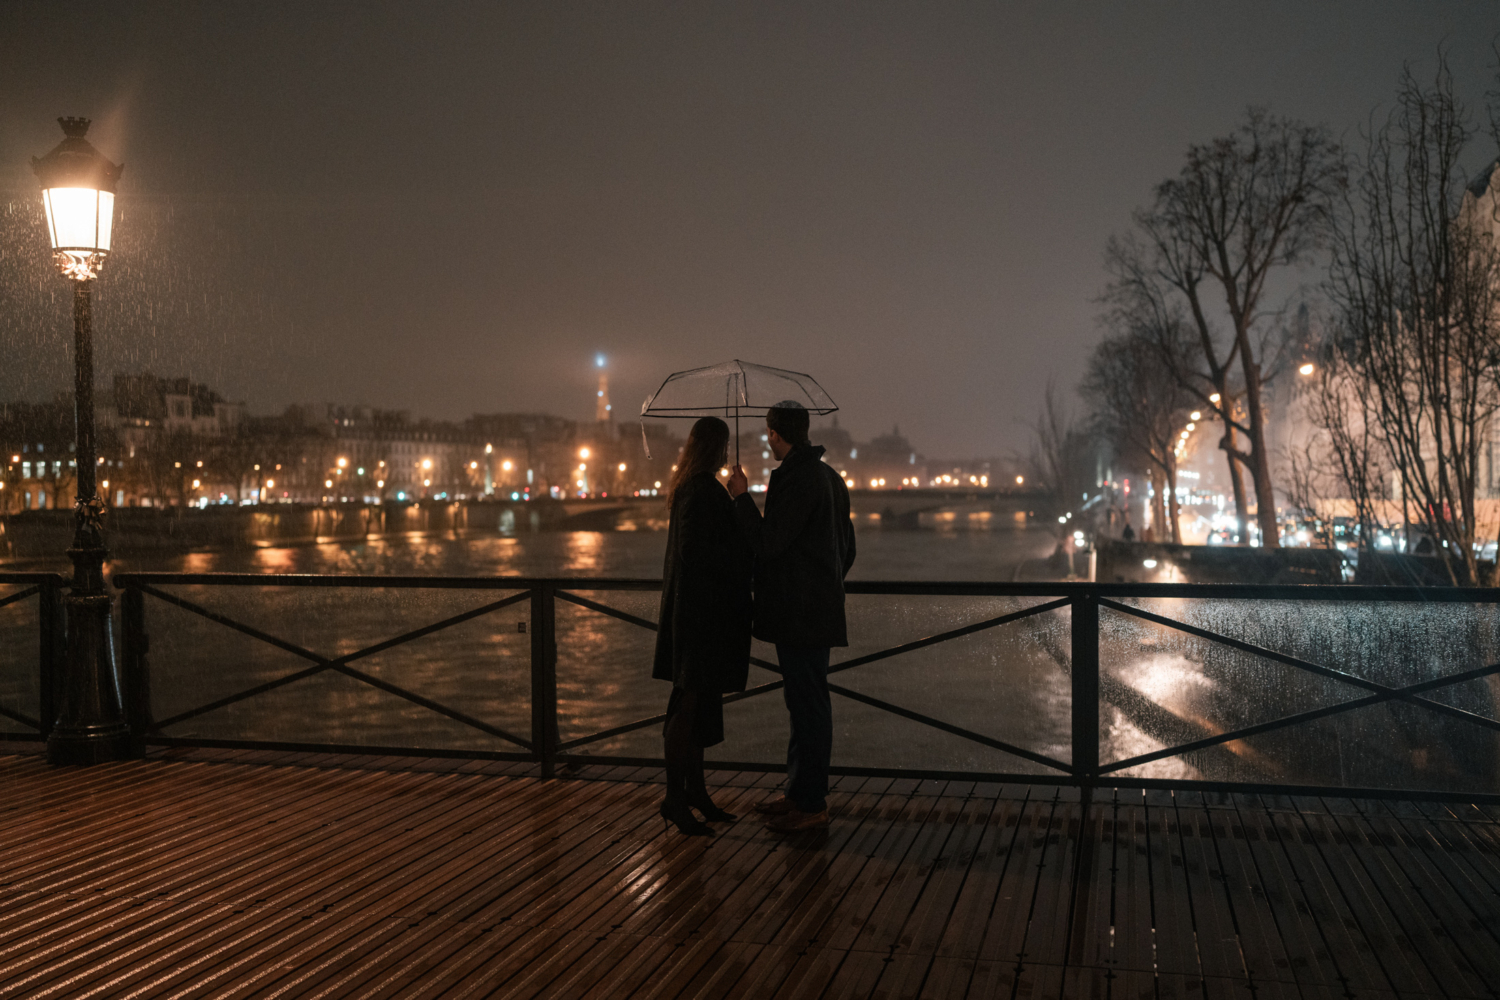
(703, 643)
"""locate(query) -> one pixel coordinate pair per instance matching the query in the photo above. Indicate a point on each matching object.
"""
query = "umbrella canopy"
(734, 388)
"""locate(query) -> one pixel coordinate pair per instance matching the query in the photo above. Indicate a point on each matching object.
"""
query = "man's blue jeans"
(804, 672)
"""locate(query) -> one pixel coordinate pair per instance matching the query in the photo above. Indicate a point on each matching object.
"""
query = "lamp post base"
(93, 745)
(91, 728)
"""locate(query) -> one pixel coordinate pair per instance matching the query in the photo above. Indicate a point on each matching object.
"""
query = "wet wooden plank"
(1347, 945)
(1133, 944)
(342, 898)
(1393, 948)
(1216, 937)
(925, 928)
(1413, 908)
(1002, 932)
(1467, 904)
(1290, 947)
(1259, 939)
(1171, 914)
(908, 881)
(964, 934)
(356, 875)
(1047, 936)
(1089, 936)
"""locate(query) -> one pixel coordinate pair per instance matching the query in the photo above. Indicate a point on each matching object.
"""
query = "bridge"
(902, 507)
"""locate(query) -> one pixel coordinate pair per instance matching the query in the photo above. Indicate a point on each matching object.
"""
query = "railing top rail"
(1200, 591)
(24, 579)
(123, 580)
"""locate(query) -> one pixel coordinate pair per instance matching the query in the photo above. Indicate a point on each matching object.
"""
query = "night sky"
(450, 208)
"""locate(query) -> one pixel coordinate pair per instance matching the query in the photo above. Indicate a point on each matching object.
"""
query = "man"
(804, 546)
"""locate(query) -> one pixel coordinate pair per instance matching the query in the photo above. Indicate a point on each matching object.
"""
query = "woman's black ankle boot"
(674, 808)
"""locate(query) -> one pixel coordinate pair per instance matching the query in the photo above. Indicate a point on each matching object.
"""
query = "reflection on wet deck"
(237, 874)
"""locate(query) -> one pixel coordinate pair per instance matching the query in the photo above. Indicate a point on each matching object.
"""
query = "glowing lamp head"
(78, 194)
(583, 453)
(1306, 369)
(598, 361)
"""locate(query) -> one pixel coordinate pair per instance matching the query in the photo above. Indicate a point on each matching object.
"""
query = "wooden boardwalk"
(245, 875)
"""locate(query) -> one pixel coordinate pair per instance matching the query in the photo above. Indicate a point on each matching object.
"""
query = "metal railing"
(1091, 685)
(46, 590)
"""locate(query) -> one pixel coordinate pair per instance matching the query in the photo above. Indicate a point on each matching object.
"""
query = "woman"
(703, 642)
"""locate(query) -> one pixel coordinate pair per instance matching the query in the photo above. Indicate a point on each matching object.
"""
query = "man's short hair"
(790, 420)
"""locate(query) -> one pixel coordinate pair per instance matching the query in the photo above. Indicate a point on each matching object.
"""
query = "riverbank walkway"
(254, 874)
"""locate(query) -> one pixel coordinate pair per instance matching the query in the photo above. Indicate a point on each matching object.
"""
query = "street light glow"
(1195, 415)
(1306, 369)
(507, 465)
(583, 453)
(1214, 398)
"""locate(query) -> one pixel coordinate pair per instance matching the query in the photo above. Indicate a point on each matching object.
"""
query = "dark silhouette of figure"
(803, 548)
(703, 639)
(1129, 533)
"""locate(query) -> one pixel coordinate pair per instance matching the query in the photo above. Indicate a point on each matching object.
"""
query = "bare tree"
(1152, 281)
(1059, 455)
(1138, 410)
(1242, 206)
(1415, 278)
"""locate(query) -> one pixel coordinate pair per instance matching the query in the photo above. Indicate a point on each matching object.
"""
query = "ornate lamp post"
(78, 192)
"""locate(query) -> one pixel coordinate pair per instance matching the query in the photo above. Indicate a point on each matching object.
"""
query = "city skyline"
(911, 206)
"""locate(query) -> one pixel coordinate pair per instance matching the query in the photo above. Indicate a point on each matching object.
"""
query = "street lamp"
(78, 194)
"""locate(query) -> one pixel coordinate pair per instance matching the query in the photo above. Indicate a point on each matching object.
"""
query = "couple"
(796, 556)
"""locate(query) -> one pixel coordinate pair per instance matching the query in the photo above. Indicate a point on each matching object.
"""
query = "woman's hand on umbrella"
(738, 483)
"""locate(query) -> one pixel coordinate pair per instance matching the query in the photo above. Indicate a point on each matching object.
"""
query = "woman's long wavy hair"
(706, 449)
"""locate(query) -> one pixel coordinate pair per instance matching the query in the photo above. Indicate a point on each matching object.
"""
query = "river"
(1009, 683)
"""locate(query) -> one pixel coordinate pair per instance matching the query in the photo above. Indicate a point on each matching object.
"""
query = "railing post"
(136, 668)
(1085, 613)
(544, 675)
(54, 643)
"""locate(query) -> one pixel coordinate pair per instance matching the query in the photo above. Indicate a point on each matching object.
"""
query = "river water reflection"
(1010, 683)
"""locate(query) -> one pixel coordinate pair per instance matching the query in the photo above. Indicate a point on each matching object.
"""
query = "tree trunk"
(1236, 480)
(1174, 509)
(1159, 506)
(1260, 468)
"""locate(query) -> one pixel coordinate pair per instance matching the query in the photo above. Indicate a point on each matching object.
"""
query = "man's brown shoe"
(779, 806)
(796, 821)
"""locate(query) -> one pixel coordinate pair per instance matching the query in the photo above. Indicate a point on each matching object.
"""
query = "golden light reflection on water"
(199, 562)
(274, 560)
(584, 553)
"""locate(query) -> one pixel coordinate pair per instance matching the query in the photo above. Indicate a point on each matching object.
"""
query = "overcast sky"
(451, 207)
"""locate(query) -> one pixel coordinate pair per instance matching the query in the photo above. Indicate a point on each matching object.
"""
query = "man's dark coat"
(804, 547)
(703, 640)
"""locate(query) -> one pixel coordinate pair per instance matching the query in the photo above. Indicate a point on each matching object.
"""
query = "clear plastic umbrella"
(733, 387)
